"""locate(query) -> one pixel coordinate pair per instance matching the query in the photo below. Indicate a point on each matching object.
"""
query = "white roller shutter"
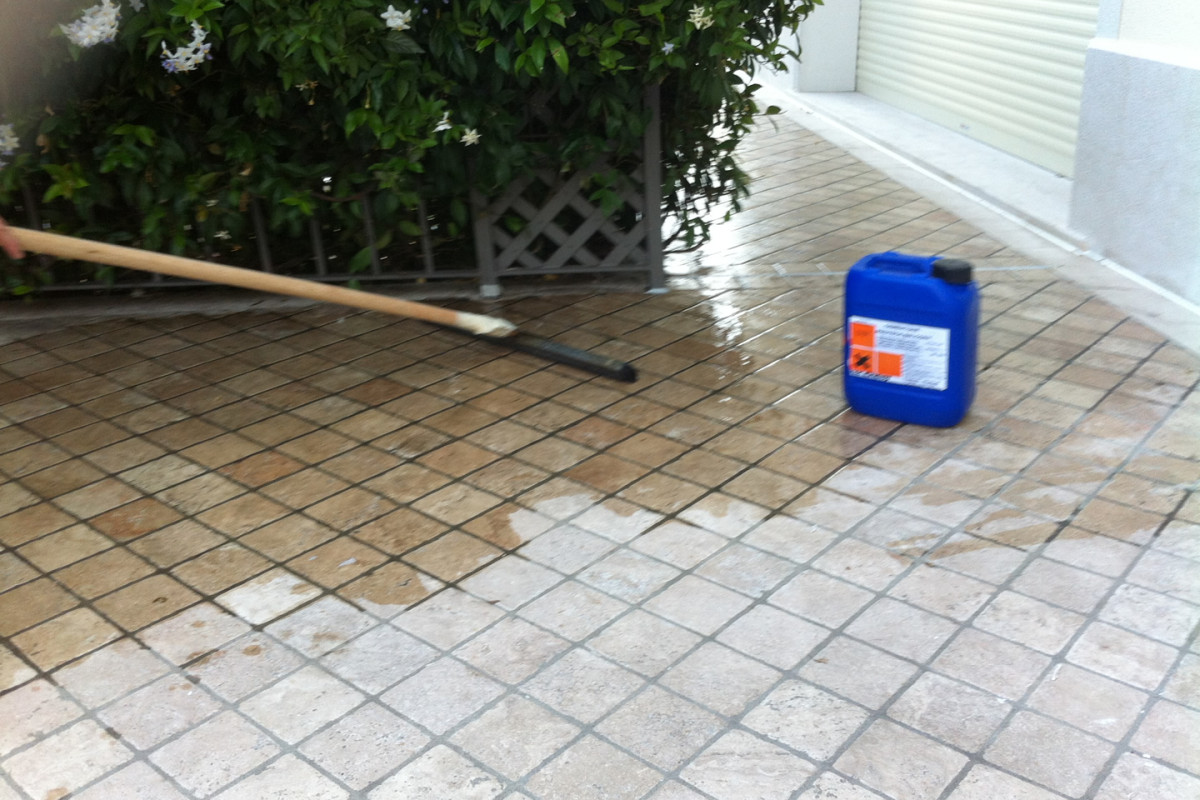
(1006, 72)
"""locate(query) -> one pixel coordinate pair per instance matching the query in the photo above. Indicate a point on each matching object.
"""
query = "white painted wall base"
(1136, 196)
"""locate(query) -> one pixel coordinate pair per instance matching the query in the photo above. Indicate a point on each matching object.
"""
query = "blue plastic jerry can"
(912, 338)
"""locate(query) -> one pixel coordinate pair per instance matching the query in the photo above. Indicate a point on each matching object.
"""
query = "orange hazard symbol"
(865, 358)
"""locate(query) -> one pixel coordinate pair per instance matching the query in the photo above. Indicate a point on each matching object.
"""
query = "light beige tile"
(740, 765)
(320, 626)
(900, 763)
(678, 544)
(996, 665)
(511, 650)
(440, 772)
(572, 610)
(985, 783)
(268, 596)
(515, 736)
(661, 728)
(448, 618)
(156, 712)
(902, 629)
(810, 721)
(628, 575)
(773, 636)
(1122, 655)
(301, 703)
(209, 757)
(645, 643)
(720, 679)
(1030, 622)
(1134, 776)
(566, 549)
(1158, 616)
(364, 746)
(286, 776)
(857, 671)
(138, 781)
(950, 711)
(442, 695)
(1049, 753)
(65, 761)
(244, 666)
(1089, 701)
(1170, 732)
(32, 711)
(592, 769)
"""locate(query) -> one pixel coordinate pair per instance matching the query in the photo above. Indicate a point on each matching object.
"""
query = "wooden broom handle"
(114, 255)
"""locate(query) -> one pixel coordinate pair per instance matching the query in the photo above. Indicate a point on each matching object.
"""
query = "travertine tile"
(572, 610)
(740, 765)
(984, 783)
(900, 763)
(857, 671)
(268, 596)
(65, 761)
(806, 719)
(719, 679)
(364, 746)
(156, 712)
(1049, 753)
(592, 769)
(661, 728)
(1134, 776)
(989, 662)
(698, 604)
(440, 772)
(32, 711)
(301, 703)
(211, 756)
(442, 695)
(65, 638)
(1170, 732)
(514, 736)
(1122, 655)
(137, 781)
(1089, 701)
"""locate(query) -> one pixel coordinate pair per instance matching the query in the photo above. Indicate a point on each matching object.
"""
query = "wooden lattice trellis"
(561, 231)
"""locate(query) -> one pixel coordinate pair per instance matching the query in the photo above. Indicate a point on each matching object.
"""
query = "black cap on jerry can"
(952, 270)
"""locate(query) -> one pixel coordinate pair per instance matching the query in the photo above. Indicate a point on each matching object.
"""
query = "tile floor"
(314, 553)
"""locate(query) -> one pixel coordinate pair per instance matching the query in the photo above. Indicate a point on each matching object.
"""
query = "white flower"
(8, 140)
(700, 17)
(98, 24)
(397, 20)
(443, 124)
(187, 58)
(470, 136)
(668, 48)
(138, 5)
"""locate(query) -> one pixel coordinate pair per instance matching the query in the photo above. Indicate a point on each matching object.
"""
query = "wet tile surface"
(329, 554)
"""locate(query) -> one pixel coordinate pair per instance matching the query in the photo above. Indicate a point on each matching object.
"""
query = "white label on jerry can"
(896, 352)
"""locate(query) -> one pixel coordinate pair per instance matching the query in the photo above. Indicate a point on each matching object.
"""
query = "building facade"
(1104, 92)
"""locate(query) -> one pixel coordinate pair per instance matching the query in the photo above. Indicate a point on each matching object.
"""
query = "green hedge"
(160, 137)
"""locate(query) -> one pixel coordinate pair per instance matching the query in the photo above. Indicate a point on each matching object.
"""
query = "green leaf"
(559, 54)
(402, 44)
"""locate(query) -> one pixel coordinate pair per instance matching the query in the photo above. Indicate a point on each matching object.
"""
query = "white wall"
(1136, 197)
(1164, 22)
(828, 42)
